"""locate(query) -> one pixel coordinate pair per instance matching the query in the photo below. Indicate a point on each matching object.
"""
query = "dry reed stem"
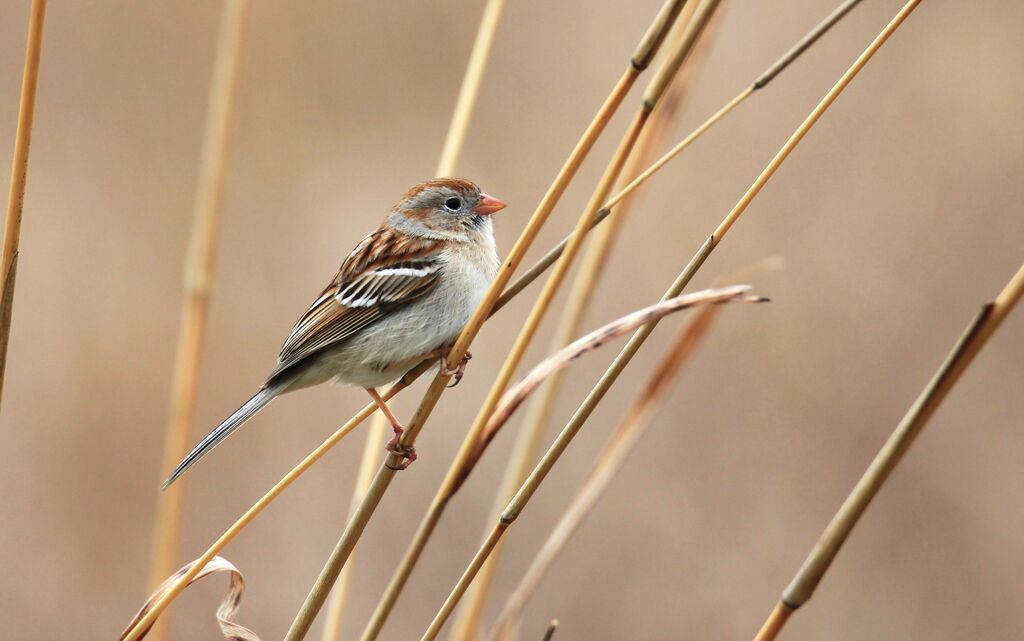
(445, 167)
(561, 442)
(19, 174)
(514, 358)
(638, 179)
(607, 464)
(315, 599)
(641, 335)
(760, 82)
(612, 456)
(470, 87)
(835, 534)
(333, 618)
(198, 281)
(467, 621)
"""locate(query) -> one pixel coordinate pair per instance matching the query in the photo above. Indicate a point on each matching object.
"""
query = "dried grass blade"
(592, 341)
(228, 606)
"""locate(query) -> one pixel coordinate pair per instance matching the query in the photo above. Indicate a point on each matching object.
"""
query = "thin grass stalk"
(759, 83)
(611, 375)
(470, 87)
(467, 622)
(639, 61)
(445, 167)
(199, 268)
(525, 337)
(19, 174)
(973, 339)
(607, 464)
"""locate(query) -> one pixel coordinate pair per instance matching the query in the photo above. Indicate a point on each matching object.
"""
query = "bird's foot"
(459, 371)
(408, 453)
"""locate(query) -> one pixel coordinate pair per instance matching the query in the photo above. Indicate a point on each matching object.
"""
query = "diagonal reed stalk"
(467, 622)
(759, 83)
(454, 476)
(445, 167)
(611, 374)
(19, 174)
(611, 458)
(540, 471)
(835, 534)
(371, 452)
(199, 266)
(639, 61)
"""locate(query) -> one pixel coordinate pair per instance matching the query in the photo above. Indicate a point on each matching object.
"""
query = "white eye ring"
(453, 204)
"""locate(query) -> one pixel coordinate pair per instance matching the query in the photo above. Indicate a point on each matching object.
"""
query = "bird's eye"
(453, 204)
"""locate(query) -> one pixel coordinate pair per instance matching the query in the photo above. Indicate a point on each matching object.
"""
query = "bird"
(401, 296)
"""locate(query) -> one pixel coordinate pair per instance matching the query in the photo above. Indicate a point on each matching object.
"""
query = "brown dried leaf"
(228, 607)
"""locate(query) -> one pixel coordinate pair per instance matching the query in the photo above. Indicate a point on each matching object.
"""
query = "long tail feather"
(222, 431)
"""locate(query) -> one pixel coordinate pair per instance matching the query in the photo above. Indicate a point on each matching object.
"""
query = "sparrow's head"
(446, 206)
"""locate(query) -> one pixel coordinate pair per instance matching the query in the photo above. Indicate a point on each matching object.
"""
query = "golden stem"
(19, 175)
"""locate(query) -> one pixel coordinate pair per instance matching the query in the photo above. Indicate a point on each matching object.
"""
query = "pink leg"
(394, 446)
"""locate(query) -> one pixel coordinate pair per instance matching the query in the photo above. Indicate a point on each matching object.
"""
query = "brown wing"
(385, 270)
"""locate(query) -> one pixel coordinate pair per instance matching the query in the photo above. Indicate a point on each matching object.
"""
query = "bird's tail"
(222, 431)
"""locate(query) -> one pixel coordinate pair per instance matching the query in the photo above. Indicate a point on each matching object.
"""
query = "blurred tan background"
(898, 216)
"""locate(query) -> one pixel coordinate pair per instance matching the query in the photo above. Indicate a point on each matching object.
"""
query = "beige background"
(897, 217)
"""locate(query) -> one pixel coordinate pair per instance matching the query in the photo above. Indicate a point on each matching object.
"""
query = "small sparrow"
(402, 296)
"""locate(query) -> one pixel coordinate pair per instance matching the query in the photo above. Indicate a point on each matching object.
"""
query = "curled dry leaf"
(228, 607)
(515, 396)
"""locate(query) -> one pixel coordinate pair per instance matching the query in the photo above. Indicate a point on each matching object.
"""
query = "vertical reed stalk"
(467, 622)
(19, 174)
(470, 87)
(612, 373)
(981, 328)
(198, 281)
(445, 167)
(641, 58)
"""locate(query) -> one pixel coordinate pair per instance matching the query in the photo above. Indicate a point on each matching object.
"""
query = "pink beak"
(488, 205)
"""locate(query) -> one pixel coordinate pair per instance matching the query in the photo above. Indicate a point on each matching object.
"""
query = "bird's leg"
(394, 446)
